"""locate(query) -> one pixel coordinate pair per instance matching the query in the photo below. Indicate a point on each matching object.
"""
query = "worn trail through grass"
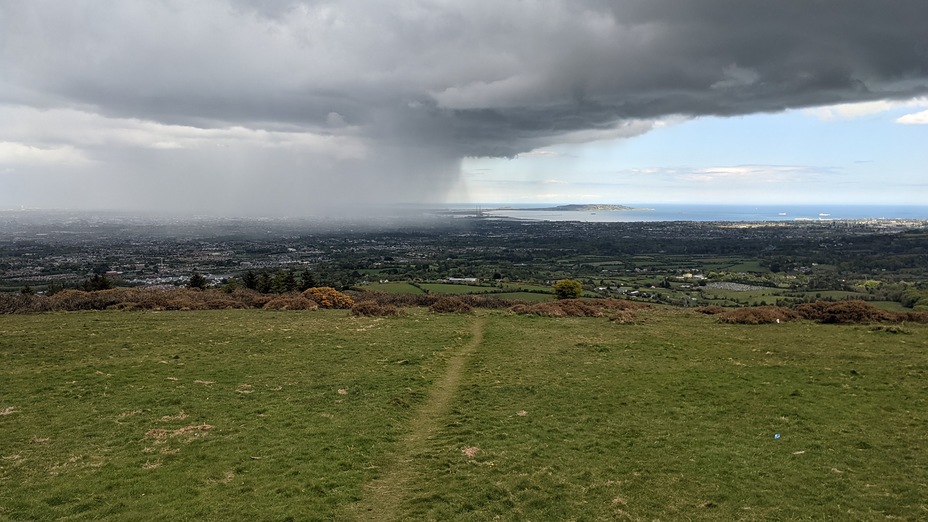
(385, 495)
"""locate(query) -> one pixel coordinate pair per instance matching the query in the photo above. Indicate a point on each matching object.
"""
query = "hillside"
(321, 415)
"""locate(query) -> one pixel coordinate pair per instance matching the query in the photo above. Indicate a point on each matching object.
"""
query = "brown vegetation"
(291, 302)
(843, 312)
(828, 312)
(132, 299)
(448, 305)
(381, 304)
(374, 309)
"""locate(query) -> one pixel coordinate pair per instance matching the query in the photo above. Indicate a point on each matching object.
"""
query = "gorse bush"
(328, 297)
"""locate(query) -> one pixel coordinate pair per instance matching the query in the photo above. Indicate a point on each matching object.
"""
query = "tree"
(307, 280)
(250, 280)
(197, 281)
(96, 282)
(567, 289)
(264, 283)
(289, 281)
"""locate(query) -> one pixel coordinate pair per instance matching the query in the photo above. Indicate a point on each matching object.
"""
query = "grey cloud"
(434, 81)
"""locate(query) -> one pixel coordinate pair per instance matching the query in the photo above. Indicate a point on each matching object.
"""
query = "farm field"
(250, 414)
(456, 289)
(392, 288)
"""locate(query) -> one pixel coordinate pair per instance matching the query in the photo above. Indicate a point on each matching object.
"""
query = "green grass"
(520, 287)
(671, 417)
(529, 297)
(455, 289)
(283, 442)
(392, 288)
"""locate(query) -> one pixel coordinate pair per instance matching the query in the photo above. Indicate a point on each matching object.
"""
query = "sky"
(315, 107)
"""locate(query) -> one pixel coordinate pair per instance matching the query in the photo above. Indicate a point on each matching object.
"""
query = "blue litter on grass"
(776, 436)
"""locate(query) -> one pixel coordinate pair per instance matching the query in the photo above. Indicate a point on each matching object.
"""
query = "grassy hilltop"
(321, 415)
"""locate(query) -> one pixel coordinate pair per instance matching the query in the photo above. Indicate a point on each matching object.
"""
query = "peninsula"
(585, 208)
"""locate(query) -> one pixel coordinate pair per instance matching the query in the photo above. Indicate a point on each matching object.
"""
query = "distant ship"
(823, 215)
(782, 214)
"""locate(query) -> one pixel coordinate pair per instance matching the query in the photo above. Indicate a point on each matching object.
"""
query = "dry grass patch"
(169, 418)
(758, 315)
(187, 433)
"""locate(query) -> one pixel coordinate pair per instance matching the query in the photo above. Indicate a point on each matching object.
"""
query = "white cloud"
(846, 111)
(748, 173)
(918, 118)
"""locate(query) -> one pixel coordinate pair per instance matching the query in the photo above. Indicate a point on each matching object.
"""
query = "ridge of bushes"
(826, 312)
(374, 304)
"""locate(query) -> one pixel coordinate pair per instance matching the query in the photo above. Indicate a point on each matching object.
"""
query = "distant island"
(585, 208)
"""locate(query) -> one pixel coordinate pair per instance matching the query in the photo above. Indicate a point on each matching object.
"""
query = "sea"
(705, 212)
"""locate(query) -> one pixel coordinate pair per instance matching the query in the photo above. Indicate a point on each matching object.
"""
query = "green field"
(528, 297)
(456, 289)
(238, 415)
(392, 288)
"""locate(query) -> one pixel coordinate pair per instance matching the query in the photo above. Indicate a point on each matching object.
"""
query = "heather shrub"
(711, 310)
(249, 298)
(328, 297)
(374, 309)
(539, 309)
(290, 302)
(914, 317)
(579, 308)
(18, 303)
(845, 312)
(757, 315)
(448, 305)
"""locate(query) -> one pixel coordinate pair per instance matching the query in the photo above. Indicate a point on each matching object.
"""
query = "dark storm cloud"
(432, 81)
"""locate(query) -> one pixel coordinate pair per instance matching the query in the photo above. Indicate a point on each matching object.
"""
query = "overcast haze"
(284, 107)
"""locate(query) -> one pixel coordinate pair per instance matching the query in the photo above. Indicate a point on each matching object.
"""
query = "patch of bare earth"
(384, 496)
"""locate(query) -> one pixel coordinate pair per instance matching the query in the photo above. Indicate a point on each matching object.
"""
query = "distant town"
(673, 262)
